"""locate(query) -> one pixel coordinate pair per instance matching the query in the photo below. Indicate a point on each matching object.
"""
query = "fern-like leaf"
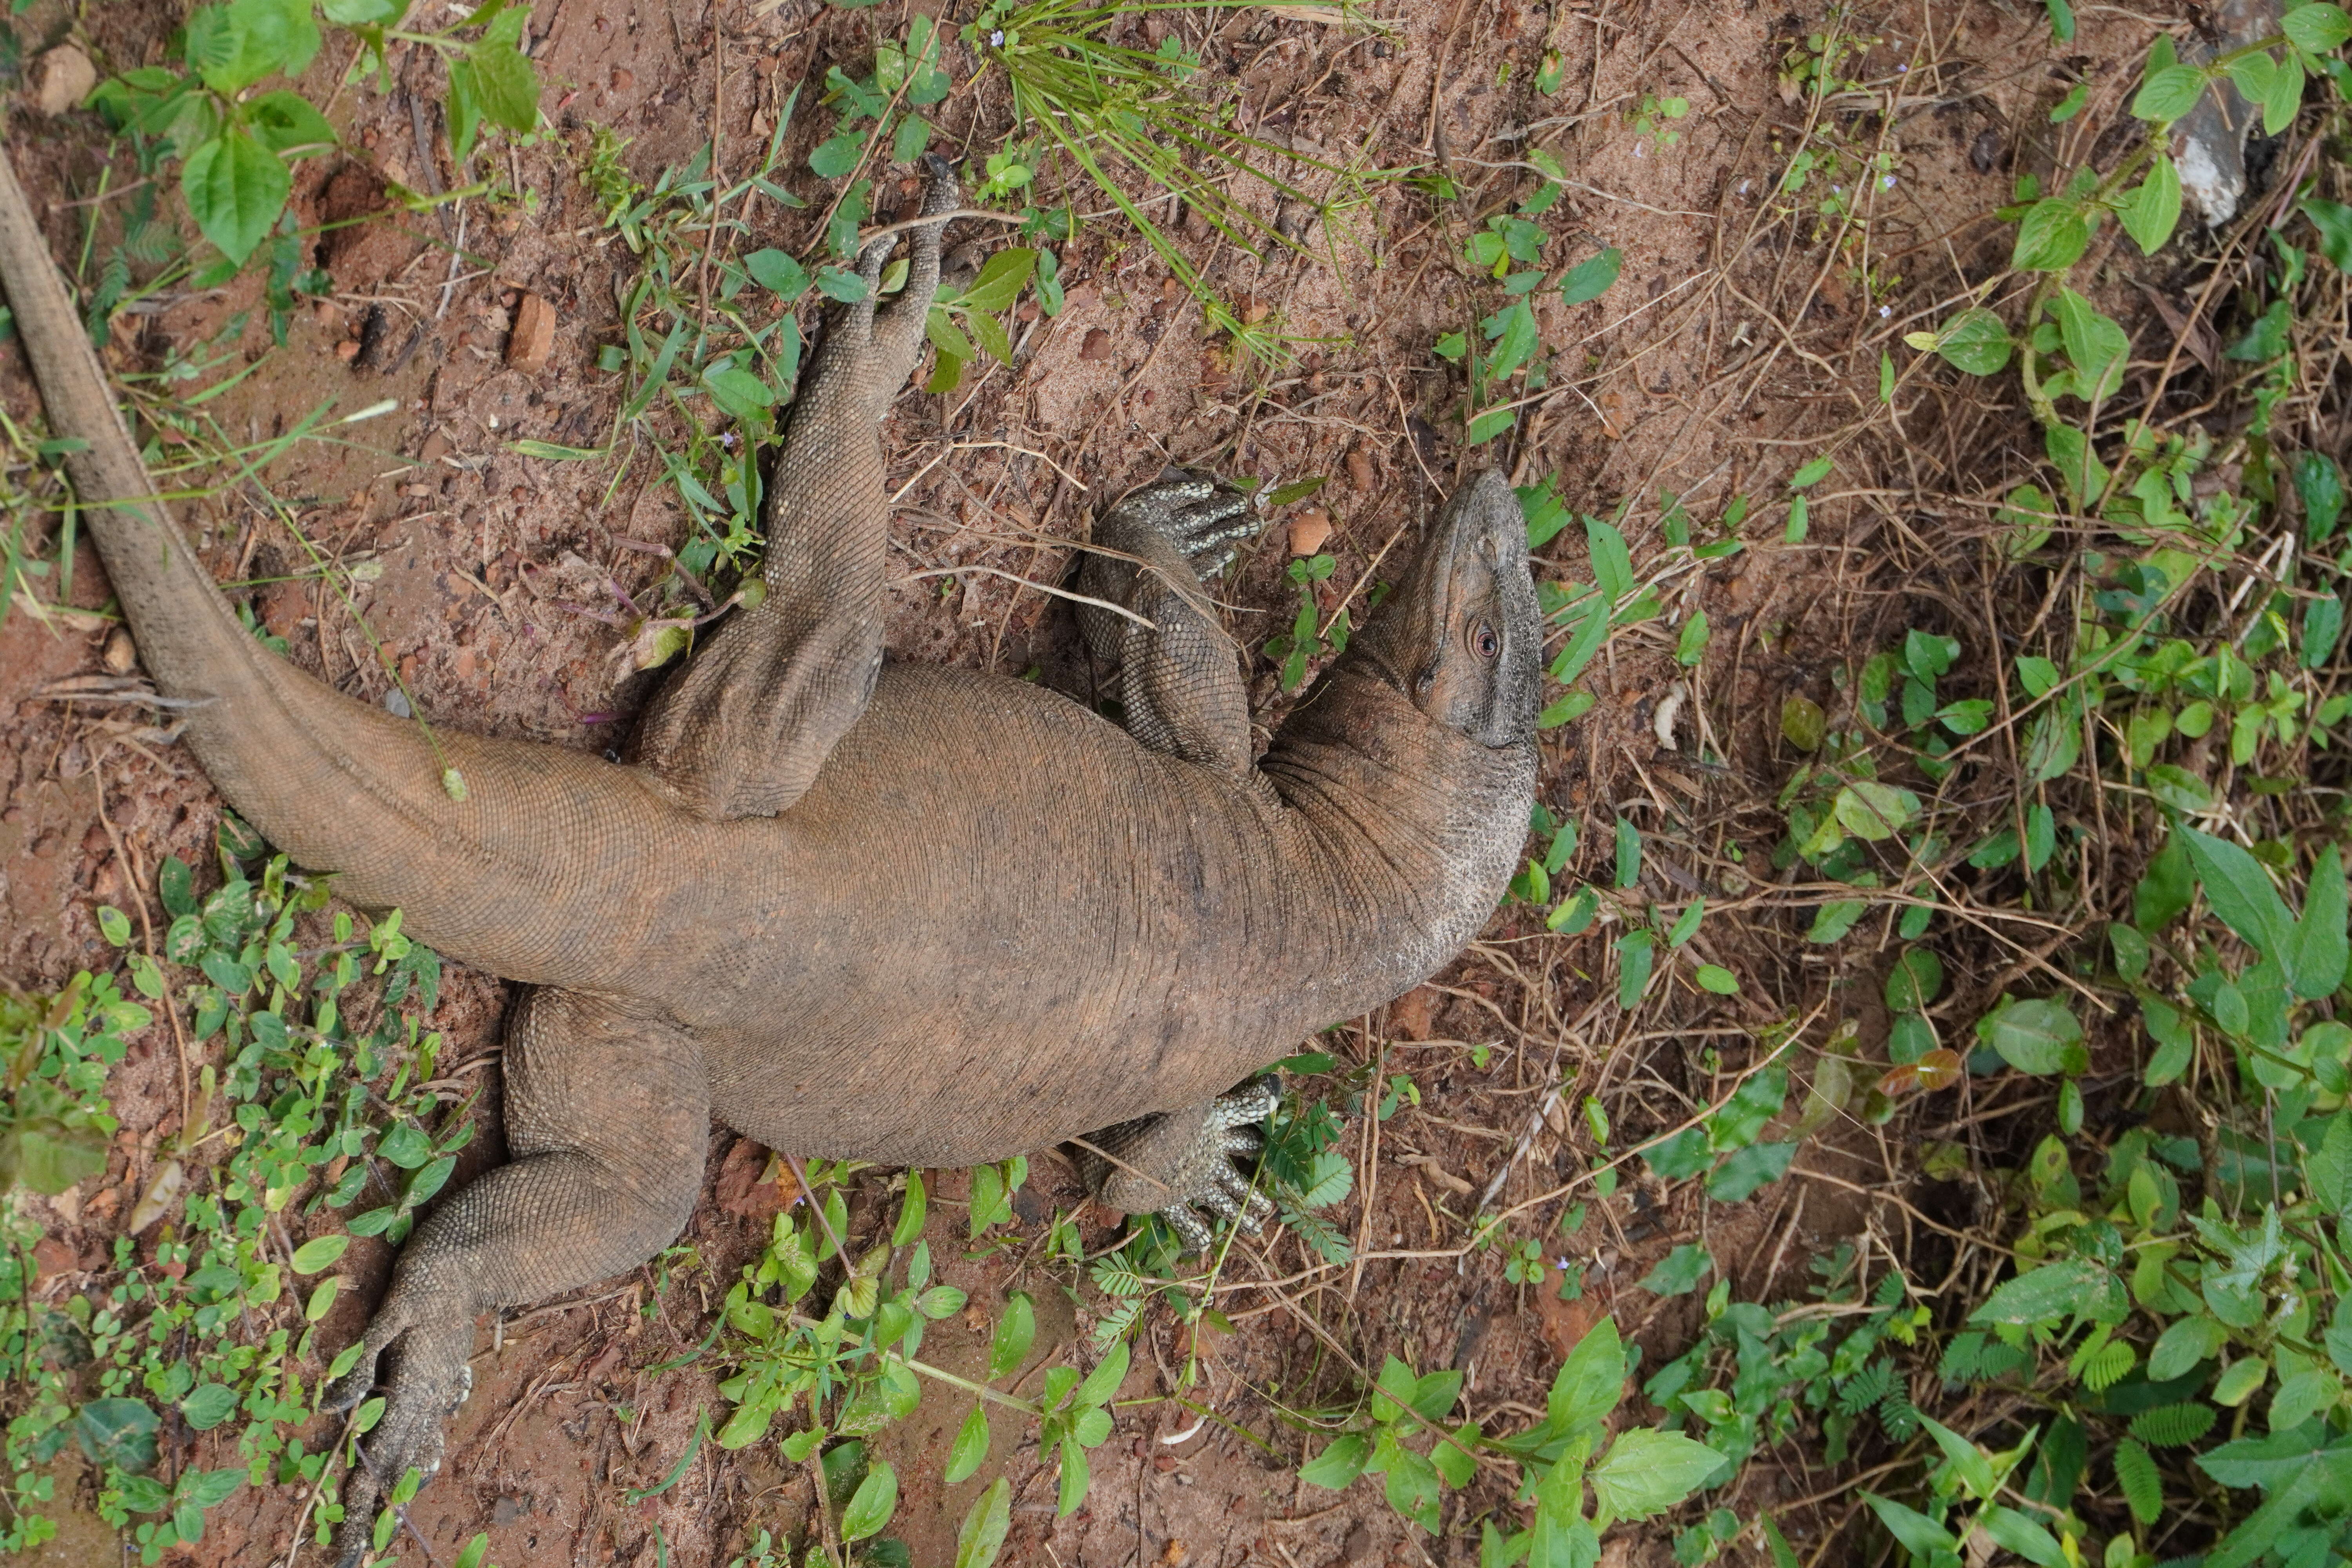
(2136, 1474)
(1117, 1321)
(1897, 1414)
(2107, 1365)
(1114, 1276)
(1328, 1240)
(1865, 1388)
(2172, 1425)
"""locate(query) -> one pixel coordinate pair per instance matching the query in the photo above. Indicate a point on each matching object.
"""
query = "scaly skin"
(850, 907)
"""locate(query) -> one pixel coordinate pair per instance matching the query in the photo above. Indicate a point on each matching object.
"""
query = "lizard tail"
(339, 785)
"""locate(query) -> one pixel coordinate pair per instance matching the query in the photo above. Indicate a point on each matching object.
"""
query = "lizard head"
(1463, 637)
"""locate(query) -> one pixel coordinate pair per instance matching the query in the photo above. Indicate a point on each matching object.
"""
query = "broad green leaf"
(2049, 1295)
(2038, 1036)
(208, 1404)
(2095, 345)
(2333, 222)
(1590, 279)
(1340, 1464)
(2240, 891)
(1104, 1380)
(2317, 29)
(782, 276)
(2316, 953)
(877, 1499)
(2151, 213)
(1000, 279)
(1975, 341)
(285, 120)
(982, 1536)
(2168, 94)
(1647, 1471)
(1612, 564)
(1744, 1170)
(2051, 238)
(320, 1252)
(2183, 1344)
(1590, 1383)
(235, 188)
(1874, 811)
(1015, 1332)
(1679, 1272)
(1968, 1462)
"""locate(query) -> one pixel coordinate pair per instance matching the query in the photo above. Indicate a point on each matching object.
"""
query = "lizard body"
(889, 911)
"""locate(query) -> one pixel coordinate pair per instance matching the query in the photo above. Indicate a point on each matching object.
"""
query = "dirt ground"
(1738, 339)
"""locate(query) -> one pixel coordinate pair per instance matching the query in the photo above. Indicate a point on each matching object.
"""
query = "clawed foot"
(1205, 520)
(428, 1379)
(1209, 1178)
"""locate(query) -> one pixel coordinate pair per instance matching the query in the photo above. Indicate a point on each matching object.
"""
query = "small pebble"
(396, 702)
(120, 653)
(1308, 530)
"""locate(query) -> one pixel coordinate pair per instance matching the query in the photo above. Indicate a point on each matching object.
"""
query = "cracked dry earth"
(481, 572)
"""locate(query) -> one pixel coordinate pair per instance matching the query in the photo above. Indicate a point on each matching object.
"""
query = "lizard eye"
(1484, 639)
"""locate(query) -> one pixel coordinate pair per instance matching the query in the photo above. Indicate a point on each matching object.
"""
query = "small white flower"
(1564, 1265)
(1885, 312)
(997, 39)
(1887, 183)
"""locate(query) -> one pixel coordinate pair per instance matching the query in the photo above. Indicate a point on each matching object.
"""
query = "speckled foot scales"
(1171, 1164)
(1180, 674)
(607, 1111)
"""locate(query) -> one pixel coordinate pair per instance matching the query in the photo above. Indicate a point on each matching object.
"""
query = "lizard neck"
(1413, 831)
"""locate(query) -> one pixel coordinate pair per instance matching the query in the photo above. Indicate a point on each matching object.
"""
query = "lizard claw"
(1214, 1183)
(1202, 519)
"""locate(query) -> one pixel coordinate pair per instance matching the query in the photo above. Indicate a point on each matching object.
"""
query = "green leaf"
(2035, 1037)
(2168, 94)
(1000, 279)
(2317, 29)
(1647, 1471)
(1975, 340)
(1074, 1478)
(2020, 1534)
(2095, 345)
(285, 120)
(781, 275)
(2264, 1463)
(837, 155)
(1714, 977)
(1915, 982)
(119, 1432)
(2151, 213)
(1337, 1466)
(1104, 1380)
(1968, 1462)
(982, 1536)
(2051, 238)
(1912, 1528)
(320, 1252)
(1679, 1272)
(1636, 958)
(1590, 279)
(2333, 222)
(208, 1404)
(2316, 953)
(2049, 1295)
(1588, 1385)
(877, 1499)
(2240, 891)
(1811, 474)
(1015, 1332)
(1612, 564)
(1744, 1170)
(2136, 1479)
(1835, 919)
(235, 188)
(1691, 646)
(2183, 1344)
(1870, 810)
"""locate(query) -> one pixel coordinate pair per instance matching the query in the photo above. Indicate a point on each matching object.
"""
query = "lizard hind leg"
(607, 1111)
(1174, 1164)
(898, 327)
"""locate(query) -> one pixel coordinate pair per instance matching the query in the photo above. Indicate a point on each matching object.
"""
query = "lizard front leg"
(607, 1113)
(1180, 674)
(1170, 1162)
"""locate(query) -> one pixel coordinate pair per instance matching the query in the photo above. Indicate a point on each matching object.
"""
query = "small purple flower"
(1887, 183)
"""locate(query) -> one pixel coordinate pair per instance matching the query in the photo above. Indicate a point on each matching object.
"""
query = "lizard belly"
(996, 920)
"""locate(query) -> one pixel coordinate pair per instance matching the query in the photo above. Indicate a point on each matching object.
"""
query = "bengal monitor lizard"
(852, 907)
